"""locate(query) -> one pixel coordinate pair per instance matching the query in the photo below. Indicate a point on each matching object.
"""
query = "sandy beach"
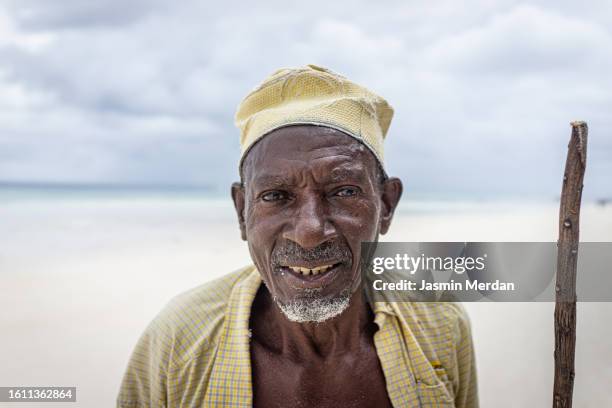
(81, 278)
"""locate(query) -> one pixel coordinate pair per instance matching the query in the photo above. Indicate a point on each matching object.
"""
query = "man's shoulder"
(192, 321)
(451, 310)
(210, 296)
(436, 315)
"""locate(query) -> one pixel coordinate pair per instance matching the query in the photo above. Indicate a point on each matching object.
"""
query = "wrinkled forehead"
(294, 148)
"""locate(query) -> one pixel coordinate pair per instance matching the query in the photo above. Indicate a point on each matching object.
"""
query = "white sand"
(81, 279)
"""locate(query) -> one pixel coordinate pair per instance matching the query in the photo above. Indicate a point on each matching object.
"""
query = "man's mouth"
(306, 271)
(305, 275)
(313, 268)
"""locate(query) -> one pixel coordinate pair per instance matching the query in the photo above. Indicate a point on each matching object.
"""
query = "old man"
(296, 329)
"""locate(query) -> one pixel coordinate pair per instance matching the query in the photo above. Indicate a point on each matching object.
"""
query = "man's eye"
(347, 192)
(274, 196)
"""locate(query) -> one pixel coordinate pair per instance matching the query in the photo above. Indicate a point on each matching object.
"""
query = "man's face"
(311, 195)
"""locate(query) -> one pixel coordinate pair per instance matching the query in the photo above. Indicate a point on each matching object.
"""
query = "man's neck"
(304, 341)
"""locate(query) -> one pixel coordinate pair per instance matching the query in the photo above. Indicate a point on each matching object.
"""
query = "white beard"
(314, 309)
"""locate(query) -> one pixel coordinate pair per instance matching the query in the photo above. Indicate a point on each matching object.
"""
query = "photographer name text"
(425, 285)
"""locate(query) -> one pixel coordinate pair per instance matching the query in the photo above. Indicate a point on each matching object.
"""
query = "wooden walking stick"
(567, 258)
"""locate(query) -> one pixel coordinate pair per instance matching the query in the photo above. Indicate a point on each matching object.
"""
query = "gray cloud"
(146, 92)
(80, 14)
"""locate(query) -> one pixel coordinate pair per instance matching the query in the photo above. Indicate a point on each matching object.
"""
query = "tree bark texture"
(567, 259)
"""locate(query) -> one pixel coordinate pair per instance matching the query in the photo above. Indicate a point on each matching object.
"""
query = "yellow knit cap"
(316, 96)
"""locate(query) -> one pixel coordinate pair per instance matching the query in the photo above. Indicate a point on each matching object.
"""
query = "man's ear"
(391, 193)
(238, 197)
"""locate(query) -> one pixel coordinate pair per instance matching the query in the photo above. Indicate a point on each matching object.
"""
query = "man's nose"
(311, 225)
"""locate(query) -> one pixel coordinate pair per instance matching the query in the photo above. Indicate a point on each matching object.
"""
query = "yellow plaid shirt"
(195, 353)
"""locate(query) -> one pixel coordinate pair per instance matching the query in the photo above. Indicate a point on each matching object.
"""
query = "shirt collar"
(233, 386)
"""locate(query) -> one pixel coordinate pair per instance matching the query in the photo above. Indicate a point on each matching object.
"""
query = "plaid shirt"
(195, 353)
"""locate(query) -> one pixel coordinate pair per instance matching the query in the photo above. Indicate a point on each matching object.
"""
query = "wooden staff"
(567, 257)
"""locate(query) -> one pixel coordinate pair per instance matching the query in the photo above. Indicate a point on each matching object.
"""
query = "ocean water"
(412, 202)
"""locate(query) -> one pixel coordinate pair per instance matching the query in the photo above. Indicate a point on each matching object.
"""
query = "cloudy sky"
(145, 91)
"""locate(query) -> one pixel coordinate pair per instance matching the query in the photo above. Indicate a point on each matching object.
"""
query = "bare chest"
(342, 381)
